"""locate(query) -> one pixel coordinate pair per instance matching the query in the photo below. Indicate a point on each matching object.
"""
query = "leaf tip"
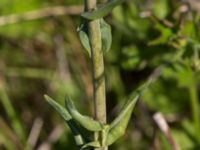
(46, 97)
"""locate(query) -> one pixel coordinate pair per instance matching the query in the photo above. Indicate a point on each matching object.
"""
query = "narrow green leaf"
(106, 35)
(83, 35)
(60, 109)
(102, 11)
(78, 136)
(119, 125)
(87, 122)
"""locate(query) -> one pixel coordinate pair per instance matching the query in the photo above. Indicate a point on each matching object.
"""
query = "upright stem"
(97, 66)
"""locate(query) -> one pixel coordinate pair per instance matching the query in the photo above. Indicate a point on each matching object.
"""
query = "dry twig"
(162, 124)
(35, 132)
(53, 137)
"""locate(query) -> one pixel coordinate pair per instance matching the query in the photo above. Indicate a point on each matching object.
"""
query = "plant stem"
(195, 110)
(97, 67)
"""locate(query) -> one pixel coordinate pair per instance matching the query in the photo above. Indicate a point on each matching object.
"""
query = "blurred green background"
(43, 55)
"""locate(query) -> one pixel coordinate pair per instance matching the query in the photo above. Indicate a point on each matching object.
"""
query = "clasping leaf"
(78, 136)
(102, 11)
(119, 125)
(106, 35)
(85, 121)
(83, 35)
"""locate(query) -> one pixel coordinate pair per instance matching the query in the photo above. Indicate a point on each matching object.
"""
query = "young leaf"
(83, 35)
(78, 136)
(102, 11)
(118, 126)
(87, 122)
(106, 35)
(61, 110)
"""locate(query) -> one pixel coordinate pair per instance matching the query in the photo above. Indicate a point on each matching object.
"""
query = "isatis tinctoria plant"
(96, 38)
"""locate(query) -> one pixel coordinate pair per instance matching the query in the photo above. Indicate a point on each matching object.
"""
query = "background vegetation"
(44, 55)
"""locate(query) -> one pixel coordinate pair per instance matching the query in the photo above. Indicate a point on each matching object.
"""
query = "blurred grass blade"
(29, 72)
(7, 133)
(6, 142)
(12, 114)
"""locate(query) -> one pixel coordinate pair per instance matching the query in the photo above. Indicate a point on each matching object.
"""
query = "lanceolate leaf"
(85, 121)
(83, 35)
(102, 11)
(60, 109)
(79, 138)
(106, 35)
(118, 126)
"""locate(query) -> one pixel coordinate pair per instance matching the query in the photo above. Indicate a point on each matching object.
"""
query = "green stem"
(195, 109)
(98, 67)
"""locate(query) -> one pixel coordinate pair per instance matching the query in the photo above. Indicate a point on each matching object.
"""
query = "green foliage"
(87, 122)
(161, 8)
(83, 35)
(106, 36)
(109, 133)
(78, 137)
(102, 11)
(66, 116)
(145, 35)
